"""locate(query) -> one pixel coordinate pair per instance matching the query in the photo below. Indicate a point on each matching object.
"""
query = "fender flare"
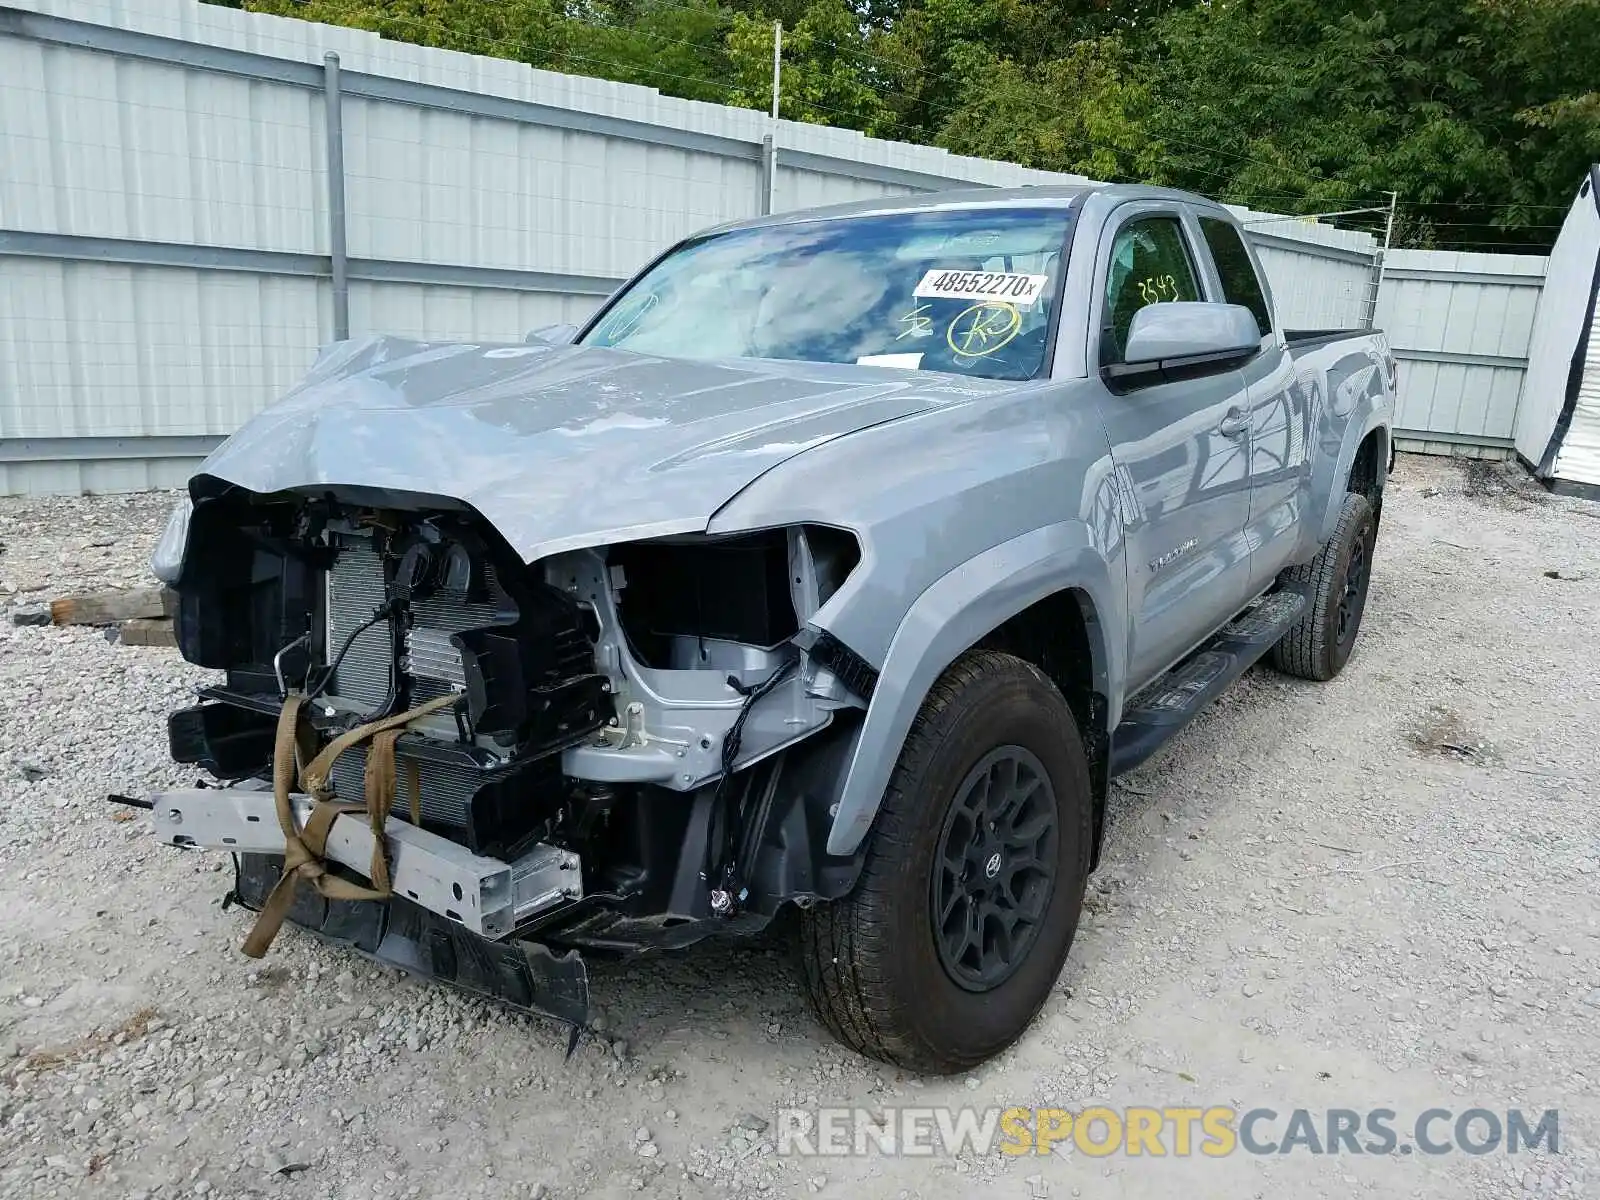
(1355, 433)
(954, 612)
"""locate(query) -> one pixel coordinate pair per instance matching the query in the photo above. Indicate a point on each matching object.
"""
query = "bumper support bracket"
(485, 896)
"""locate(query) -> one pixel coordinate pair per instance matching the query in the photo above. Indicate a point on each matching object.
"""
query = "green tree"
(675, 47)
(528, 30)
(1481, 114)
(826, 78)
(1280, 103)
(1085, 112)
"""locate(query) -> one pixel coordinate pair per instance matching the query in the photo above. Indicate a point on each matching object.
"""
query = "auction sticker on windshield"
(1020, 290)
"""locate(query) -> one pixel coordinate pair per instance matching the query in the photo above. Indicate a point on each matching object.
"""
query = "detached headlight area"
(687, 628)
(166, 560)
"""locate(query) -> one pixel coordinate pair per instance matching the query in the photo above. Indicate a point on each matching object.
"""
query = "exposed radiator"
(433, 666)
(355, 590)
(446, 789)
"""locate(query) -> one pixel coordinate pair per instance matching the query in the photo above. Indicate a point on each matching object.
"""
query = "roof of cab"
(1038, 196)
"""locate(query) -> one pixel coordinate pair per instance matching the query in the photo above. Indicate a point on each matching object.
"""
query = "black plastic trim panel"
(855, 672)
(524, 975)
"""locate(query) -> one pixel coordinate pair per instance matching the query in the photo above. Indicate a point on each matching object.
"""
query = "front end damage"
(624, 748)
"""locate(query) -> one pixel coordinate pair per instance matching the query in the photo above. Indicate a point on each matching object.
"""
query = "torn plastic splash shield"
(397, 933)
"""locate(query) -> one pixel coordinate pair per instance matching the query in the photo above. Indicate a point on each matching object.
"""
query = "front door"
(1181, 451)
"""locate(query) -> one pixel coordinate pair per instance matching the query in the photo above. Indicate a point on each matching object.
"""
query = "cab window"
(1239, 282)
(1150, 264)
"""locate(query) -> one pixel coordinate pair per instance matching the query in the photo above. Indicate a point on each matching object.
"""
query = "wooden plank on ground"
(107, 608)
(147, 631)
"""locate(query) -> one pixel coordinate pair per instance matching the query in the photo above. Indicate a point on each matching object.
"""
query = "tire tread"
(1306, 650)
(844, 950)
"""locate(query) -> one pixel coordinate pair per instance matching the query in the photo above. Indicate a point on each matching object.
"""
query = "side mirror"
(1190, 329)
(552, 335)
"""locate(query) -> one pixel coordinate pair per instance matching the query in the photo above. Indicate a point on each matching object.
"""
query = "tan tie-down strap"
(304, 849)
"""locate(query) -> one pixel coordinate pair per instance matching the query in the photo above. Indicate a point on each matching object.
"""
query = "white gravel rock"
(1444, 952)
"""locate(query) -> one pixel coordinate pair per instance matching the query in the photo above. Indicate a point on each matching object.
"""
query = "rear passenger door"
(1280, 412)
(1178, 443)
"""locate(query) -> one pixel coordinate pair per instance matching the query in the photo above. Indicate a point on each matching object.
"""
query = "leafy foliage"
(1481, 114)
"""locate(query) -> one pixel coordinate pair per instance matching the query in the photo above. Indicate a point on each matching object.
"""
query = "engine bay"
(632, 706)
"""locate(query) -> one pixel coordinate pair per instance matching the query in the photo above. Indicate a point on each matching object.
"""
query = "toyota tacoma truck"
(836, 565)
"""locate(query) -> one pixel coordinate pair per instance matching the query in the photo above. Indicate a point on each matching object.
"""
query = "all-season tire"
(1318, 645)
(873, 964)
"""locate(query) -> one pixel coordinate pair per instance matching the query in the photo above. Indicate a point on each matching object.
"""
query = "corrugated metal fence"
(193, 200)
(1460, 325)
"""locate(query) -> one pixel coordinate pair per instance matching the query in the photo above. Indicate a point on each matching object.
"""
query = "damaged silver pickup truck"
(836, 566)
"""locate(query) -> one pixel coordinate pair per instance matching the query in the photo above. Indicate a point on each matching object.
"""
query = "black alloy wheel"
(995, 870)
(1335, 585)
(1354, 597)
(973, 882)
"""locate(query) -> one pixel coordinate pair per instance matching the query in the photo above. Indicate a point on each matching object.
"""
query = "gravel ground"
(1376, 892)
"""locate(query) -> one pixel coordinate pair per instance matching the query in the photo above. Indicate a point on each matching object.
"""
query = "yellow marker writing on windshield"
(983, 328)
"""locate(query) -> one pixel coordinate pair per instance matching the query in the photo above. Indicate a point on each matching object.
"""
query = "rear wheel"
(973, 882)
(1318, 645)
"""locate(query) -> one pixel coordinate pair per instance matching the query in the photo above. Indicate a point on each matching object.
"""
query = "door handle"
(1235, 424)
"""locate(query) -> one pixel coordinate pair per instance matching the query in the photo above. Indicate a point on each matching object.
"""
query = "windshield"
(969, 291)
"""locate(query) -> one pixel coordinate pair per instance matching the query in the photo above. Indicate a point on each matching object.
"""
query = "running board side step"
(1164, 707)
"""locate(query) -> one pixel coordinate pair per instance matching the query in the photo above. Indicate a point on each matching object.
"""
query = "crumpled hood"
(560, 447)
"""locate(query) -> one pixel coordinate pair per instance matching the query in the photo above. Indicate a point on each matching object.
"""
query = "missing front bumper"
(398, 933)
(452, 915)
(407, 936)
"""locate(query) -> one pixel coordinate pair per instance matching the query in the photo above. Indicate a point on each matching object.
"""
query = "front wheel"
(1318, 645)
(973, 882)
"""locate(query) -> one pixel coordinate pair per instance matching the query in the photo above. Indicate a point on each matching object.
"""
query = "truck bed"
(1302, 339)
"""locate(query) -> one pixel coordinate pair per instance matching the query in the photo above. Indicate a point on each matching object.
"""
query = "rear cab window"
(1240, 284)
(1150, 264)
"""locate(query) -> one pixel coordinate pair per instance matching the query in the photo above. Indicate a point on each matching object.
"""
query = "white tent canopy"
(1558, 419)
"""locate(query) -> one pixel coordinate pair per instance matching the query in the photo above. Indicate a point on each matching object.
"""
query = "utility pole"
(769, 144)
(777, 64)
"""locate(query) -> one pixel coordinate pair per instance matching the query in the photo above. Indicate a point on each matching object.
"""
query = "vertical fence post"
(337, 251)
(1378, 261)
(769, 144)
(769, 173)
